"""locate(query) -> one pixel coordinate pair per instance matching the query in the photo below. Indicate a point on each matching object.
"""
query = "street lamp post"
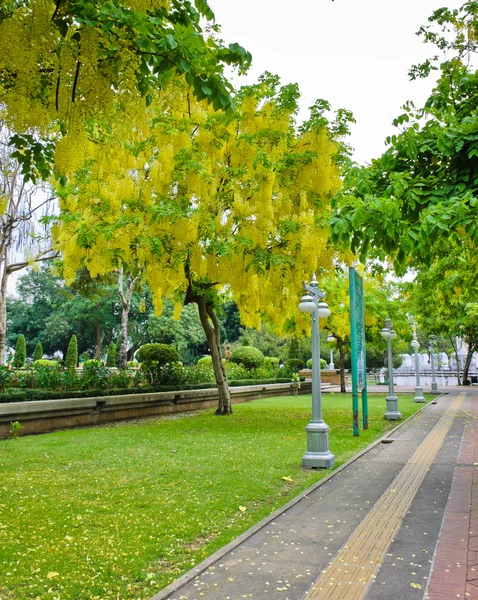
(419, 397)
(431, 349)
(331, 338)
(392, 413)
(318, 454)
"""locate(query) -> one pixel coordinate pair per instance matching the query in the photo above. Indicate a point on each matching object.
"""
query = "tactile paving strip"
(350, 574)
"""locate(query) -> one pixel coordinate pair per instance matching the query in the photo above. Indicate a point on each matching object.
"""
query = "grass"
(120, 511)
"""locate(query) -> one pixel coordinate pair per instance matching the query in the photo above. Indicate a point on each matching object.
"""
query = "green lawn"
(120, 511)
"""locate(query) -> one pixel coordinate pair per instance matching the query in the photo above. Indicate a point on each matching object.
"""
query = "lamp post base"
(318, 455)
(392, 413)
(419, 397)
(434, 387)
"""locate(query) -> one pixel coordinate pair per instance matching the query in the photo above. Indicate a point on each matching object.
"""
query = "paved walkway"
(399, 522)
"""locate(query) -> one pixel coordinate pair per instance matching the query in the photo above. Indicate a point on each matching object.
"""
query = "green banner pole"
(353, 344)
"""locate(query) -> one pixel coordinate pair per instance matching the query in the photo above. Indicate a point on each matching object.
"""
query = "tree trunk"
(340, 346)
(99, 339)
(469, 358)
(3, 313)
(126, 304)
(123, 354)
(211, 329)
(455, 349)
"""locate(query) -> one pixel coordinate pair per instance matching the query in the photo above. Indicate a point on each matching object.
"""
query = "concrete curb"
(176, 585)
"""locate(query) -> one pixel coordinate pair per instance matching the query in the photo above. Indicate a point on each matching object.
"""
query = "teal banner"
(357, 343)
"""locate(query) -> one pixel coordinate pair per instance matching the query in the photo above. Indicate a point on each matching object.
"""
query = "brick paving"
(455, 566)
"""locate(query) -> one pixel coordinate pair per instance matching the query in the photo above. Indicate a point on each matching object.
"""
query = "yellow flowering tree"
(203, 201)
(64, 62)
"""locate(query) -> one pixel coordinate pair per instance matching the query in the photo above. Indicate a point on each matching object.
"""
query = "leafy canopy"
(421, 194)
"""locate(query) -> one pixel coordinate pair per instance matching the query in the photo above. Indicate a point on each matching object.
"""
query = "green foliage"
(15, 430)
(271, 361)
(420, 196)
(294, 349)
(71, 359)
(247, 356)
(294, 365)
(20, 352)
(38, 352)
(45, 362)
(94, 375)
(205, 360)
(6, 377)
(153, 358)
(111, 358)
(236, 371)
(323, 363)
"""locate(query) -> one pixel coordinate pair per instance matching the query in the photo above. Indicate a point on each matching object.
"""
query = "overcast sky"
(354, 53)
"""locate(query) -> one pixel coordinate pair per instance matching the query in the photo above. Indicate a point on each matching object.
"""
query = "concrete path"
(398, 522)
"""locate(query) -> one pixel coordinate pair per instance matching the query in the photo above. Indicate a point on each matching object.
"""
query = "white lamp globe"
(307, 304)
(415, 344)
(385, 333)
(393, 334)
(323, 310)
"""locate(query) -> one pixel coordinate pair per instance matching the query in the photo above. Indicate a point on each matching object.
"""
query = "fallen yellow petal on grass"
(287, 479)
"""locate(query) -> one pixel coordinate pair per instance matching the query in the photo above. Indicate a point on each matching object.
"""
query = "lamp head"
(307, 304)
(323, 310)
(385, 333)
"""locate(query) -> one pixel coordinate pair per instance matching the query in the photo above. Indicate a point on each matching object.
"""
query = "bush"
(43, 362)
(323, 363)
(20, 352)
(47, 377)
(271, 361)
(122, 379)
(132, 364)
(153, 358)
(111, 358)
(95, 375)
(71, 359)
(293, 365)
(235, 371)
(38, 352)
(205, 360)
(199, 374)
(6, 377)
(247, 356)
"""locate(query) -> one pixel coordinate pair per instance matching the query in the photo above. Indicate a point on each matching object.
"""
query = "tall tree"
(422, 194)
(201, 200)
(23, 240)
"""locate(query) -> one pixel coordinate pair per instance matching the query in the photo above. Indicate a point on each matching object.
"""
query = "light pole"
(418, 390)
(392, 413)
(431, 349)
(331, 338)
(318, 454)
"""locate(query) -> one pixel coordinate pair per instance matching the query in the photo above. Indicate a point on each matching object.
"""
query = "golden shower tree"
(202, 201)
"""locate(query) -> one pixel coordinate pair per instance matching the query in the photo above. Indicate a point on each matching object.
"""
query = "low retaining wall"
(49, 415)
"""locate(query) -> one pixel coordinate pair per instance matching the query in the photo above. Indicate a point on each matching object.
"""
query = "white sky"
(354, 53)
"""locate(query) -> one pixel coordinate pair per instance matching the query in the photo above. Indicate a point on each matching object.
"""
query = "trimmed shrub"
(271, 361)
(323, 363)
(247, 356)
(293, 365)
(71, 359)
(205, 360)
(199, 374)
(44, 362)
(20, 352)
(153, 358)
(111, 357)
(37, 353)
(132, 364)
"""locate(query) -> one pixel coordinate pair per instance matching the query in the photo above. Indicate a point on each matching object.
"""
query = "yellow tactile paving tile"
(353, 569)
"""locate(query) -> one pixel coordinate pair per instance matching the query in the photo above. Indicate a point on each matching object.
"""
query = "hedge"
(30, 395)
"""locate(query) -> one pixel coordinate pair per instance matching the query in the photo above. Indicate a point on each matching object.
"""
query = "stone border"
(40, 416)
